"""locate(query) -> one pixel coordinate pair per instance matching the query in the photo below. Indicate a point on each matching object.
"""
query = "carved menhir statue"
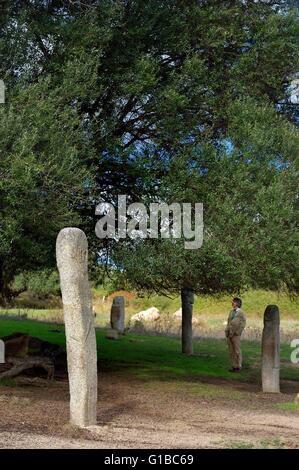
(117, 319)
(72, 254)
(187, 297)
(270, 350)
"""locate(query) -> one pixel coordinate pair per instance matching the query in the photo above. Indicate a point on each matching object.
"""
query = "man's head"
(236, 302)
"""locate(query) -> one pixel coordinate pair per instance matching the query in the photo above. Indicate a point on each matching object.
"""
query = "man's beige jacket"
(236, 323)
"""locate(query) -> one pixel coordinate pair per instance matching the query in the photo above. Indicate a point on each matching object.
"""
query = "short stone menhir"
(118, 314)
(117, 318)
(271, 350)
(72, 256)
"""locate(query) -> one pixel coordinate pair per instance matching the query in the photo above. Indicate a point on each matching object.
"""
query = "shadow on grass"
(159, 358)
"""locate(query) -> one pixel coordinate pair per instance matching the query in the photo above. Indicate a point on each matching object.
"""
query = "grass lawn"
(159, 357)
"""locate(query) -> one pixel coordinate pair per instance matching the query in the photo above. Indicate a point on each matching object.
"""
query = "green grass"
(272, 443)
(263, 444)
(8, 382)
(240, 445)
(198, 389)
(158, 357)
(290, 406)
(268, 443)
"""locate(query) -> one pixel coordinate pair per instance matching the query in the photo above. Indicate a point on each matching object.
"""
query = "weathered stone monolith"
(117, 318)
(72, 255)
(187, 297)
(2, 92)
(271, 350)
(2, 352)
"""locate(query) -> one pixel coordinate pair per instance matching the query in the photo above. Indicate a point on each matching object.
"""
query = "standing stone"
(187, 297)
(117, 319)
(112, 334)
(270, 350)
(72, 254)
(2, 92)
(2, 352)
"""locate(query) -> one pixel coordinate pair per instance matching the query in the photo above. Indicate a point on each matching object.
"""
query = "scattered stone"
(72, 262)
(151, 314)
(20, 401)
(271, 350)
(177, 315)
(112, 334)
(16, 345)
(204, 355)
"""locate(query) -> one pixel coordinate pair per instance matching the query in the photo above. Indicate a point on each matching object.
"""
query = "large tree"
(144, 78)
(155, 71)
(248, 187)
(42, 180)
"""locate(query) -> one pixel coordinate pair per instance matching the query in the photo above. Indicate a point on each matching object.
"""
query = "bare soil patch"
(202, 413)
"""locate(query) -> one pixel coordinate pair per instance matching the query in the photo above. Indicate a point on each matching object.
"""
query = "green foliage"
(146, 96)
(248, 187)
(42, 283)
(43, 178)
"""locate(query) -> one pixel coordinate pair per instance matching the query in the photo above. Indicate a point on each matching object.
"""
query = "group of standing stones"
(72, 256)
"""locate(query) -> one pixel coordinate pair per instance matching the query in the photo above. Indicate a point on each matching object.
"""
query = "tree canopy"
(249, 193)
(159, 100)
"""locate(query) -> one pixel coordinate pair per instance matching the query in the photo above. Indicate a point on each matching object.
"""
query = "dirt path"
(205, 413)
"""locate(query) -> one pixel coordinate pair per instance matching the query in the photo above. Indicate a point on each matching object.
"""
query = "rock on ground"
(178, 316)
(151, 314)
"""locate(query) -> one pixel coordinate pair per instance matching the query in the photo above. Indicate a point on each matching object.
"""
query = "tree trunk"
(2, 302)
(187, 297)
(5, 292)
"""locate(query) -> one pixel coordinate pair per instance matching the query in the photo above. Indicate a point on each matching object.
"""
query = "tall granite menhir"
(271, 350)
(117, 318)
(72, 255)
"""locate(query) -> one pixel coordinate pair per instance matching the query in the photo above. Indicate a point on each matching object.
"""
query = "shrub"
(41, 283)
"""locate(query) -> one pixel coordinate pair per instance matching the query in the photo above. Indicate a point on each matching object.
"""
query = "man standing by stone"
(235, 325)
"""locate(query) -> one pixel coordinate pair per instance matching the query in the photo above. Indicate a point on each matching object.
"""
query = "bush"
(41, 283)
